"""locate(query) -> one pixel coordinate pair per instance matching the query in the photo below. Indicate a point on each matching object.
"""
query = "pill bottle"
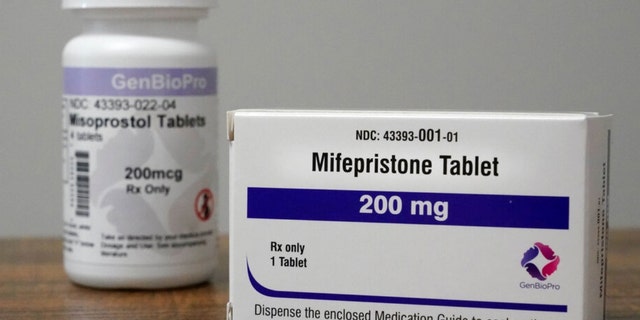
(139, 116)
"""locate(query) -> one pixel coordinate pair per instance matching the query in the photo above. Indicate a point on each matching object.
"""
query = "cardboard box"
(354, 215)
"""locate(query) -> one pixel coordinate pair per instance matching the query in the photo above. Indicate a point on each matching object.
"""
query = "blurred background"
(543, 55)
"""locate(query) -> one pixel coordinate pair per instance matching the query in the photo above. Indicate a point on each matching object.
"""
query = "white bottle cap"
(93, 4)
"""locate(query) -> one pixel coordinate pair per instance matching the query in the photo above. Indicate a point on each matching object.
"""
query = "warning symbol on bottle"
(204, 204)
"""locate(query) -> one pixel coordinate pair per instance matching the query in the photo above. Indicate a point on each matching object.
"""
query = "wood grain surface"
(33, 285)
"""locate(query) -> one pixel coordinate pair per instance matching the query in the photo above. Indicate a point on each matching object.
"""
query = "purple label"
(473, 210)
(140, 81)
(403, 300)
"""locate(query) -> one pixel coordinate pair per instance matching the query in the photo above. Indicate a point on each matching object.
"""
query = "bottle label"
(139, 165)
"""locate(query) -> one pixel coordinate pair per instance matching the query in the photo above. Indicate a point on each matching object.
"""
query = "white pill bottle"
(139, 117)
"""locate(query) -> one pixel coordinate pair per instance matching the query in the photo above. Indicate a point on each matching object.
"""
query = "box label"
(417, 216)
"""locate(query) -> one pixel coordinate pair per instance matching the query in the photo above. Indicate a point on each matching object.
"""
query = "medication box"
(417, 215)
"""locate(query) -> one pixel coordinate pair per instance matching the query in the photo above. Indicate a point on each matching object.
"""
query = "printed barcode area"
(82, 183)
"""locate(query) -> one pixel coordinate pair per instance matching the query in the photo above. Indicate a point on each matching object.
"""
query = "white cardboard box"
(417, 215)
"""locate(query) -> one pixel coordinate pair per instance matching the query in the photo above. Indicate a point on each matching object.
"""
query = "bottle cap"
(97, 4)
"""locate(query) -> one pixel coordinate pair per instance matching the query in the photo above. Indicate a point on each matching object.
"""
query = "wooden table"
(33, 286)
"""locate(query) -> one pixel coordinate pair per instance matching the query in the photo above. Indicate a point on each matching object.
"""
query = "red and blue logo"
(540, 261)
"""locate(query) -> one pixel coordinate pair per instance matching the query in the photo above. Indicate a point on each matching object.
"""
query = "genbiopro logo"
(540, 261)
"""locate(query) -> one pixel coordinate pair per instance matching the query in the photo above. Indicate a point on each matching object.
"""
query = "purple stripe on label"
(473, 210)
(141, 81)
(403, 300)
